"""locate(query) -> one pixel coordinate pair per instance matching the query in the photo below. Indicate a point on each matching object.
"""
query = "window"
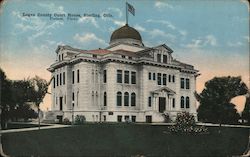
(182, 102)
(105, 99)
(57, 80)
(126, 99)
(187, 83)
(119, 118)
(153, 76)
(60, 79)
(164, 79)
(173, 103)
(78, 76)
(64, 78)
(73, 77)
(54, 82)
(158, 57)
(159, 78)
(104, 76)
(119, 99)
(62, 56)
(104, 118)
(73, 96)
(126, 118)
(133, 77)
(149, 102)
(169, 78)
(65, 99)
(165, 58)
(129, 57)
(123, 56)
(119, 76)
(148, 119)
(126, 77)
(133, 99)
(133, 118)
(59, 57)
(94, 56)
(187, 102)
(182, 83)
(173, 78)
(149, 75)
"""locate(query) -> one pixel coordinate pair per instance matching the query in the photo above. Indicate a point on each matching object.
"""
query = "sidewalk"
(52, 126)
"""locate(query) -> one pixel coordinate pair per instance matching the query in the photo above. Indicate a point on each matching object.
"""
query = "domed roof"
(126, 32)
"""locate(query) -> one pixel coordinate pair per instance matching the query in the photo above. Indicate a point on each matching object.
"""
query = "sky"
(212, 35)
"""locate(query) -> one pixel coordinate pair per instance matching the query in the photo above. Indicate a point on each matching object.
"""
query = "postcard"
(124, 78)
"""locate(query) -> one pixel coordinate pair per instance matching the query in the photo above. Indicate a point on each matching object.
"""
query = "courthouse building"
(127, 81)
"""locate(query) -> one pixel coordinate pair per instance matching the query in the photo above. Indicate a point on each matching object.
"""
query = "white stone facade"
(157, 75)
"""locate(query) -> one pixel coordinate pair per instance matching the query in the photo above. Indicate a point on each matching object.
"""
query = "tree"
(246, 112)
(40, 89)
(5, 97)
(215, 100)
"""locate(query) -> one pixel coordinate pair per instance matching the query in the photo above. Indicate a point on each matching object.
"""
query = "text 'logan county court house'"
(127, 81)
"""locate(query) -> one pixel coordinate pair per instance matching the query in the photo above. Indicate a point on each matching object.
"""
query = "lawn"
(124, 140)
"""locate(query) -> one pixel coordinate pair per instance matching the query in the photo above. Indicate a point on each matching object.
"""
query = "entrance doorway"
(162, 104)
(61, 103)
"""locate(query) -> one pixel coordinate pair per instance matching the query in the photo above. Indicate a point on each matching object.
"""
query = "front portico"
(163, 100)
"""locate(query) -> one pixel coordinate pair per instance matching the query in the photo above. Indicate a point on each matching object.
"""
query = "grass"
(124, 140)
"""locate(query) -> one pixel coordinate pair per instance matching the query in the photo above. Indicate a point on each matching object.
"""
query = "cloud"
(52, 8)
(35, 24)
(208, 40)
(116, 10)
(89, 38)
(169, 25)
(164, 22)
(161, 5)
(155, 33)
(119, 23)
(247, 38)
(45, 29)
(139, 28)
(234, 44)
(183, 32)
(90, 20)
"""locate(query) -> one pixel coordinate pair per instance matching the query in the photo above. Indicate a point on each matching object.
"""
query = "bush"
(80, 119)
(66, 121)
(185, 123)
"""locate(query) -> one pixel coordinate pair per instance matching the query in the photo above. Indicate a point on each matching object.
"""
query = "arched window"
(182, 102)
(187, 102)
(126, 99)
(105, 99)
(133, 99)
(119, 98)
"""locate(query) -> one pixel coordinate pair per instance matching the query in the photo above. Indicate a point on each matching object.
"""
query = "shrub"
(185, 123)
(66, 121)
(80, 119)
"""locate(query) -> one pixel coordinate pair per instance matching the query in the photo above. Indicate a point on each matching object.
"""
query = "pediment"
(164, 47)
(163, 89)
